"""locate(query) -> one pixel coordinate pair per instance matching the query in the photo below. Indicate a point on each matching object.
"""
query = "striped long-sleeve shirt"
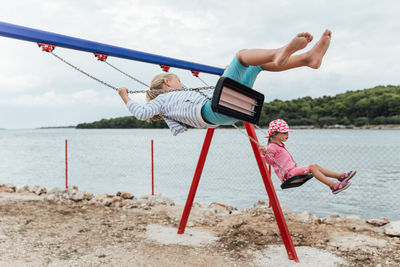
(178, 108)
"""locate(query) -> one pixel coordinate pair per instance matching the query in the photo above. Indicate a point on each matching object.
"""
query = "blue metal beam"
(39, 36)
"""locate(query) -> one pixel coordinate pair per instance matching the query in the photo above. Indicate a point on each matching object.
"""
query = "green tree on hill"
(378, 105)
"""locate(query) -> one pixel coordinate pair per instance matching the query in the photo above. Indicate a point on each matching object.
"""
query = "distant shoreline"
(351, 127)
(56, 127)
(303, 127)
(297, 127)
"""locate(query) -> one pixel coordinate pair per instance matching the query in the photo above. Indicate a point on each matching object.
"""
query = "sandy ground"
(39, 232)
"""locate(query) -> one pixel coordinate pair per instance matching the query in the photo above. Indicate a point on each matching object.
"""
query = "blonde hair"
(157, 83)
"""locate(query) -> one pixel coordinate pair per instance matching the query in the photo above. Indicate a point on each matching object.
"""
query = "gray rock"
(307, 217)
(332, 219)
(87, 196)
(149, 200)
(99, 197)
(77, 196)
(378, 222)
(38, 189)
(24, 189)
(125, 195)
(8, 188)
(130, 204)
(103, 199)
(50, 197)
(218, 208)
(392, 229)
(260, 204)
(107, 202)
(57, 191)
(71, 192)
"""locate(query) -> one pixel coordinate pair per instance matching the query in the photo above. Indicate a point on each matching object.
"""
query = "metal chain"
(202, 81)
(157, 91)
(130, 76)
(126, 74)
(197, 89)
(259, 128)
(85, 73)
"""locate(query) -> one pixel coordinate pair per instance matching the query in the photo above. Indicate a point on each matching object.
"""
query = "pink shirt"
(282, 156)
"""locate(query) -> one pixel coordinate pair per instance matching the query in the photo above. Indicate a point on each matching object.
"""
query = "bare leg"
(312, 58)
(330, 173)
(316, 171)
(279, 57)
(296, 61)
(325, 172)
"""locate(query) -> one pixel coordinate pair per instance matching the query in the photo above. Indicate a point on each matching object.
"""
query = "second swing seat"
(296, 181)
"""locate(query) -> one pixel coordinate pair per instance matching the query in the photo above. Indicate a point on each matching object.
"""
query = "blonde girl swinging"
(181, 108)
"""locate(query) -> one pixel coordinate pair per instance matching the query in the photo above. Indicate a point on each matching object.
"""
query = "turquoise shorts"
(236, 71)
(244, 75)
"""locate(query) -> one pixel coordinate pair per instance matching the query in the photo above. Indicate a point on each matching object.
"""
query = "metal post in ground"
(66, 163)
(152, 167)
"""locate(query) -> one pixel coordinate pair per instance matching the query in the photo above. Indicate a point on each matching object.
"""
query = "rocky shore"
(69, 227)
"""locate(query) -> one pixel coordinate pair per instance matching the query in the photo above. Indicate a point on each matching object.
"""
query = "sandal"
(347, 176)
(340, 186)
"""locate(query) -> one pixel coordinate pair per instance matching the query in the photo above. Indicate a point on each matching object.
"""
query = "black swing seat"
(237, 100)
(296, 181)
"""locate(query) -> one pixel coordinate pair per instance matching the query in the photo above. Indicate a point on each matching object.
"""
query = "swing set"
(230, 98)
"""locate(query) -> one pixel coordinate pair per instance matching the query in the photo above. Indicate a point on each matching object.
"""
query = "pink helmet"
(278, 125)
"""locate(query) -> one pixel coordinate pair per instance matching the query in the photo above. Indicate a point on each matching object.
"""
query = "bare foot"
(297, 43)
(318, 51)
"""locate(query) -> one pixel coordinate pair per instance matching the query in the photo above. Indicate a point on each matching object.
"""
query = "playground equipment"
(238, 101)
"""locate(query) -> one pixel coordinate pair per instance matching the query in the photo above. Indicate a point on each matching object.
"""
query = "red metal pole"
(273, 199)
(66, 163)
(269, 172)
(152, 168)
(196, 180)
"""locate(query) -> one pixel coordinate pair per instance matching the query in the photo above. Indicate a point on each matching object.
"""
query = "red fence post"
(152, 168)
(66, 163)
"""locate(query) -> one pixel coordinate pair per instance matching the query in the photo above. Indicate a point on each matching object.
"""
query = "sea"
(141, 161)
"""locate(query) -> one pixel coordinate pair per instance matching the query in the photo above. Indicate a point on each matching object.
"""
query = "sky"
(37, 90)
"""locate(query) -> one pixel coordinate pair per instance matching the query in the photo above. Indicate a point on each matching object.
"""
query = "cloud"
(17, 82)
(364, 51)
(51, 99)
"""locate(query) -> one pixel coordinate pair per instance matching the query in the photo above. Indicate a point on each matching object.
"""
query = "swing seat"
(237, 100)
(296, 181)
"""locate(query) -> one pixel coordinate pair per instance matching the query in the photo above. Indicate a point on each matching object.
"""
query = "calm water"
(120, 160)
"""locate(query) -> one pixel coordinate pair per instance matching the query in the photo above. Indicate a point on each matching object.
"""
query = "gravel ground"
(36, 231)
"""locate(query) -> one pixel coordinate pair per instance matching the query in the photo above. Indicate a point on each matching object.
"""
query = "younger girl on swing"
(279, 158)
(180, 108)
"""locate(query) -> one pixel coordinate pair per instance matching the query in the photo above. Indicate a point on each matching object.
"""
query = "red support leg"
(196, 180)
(273, 199)
(269, 172)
